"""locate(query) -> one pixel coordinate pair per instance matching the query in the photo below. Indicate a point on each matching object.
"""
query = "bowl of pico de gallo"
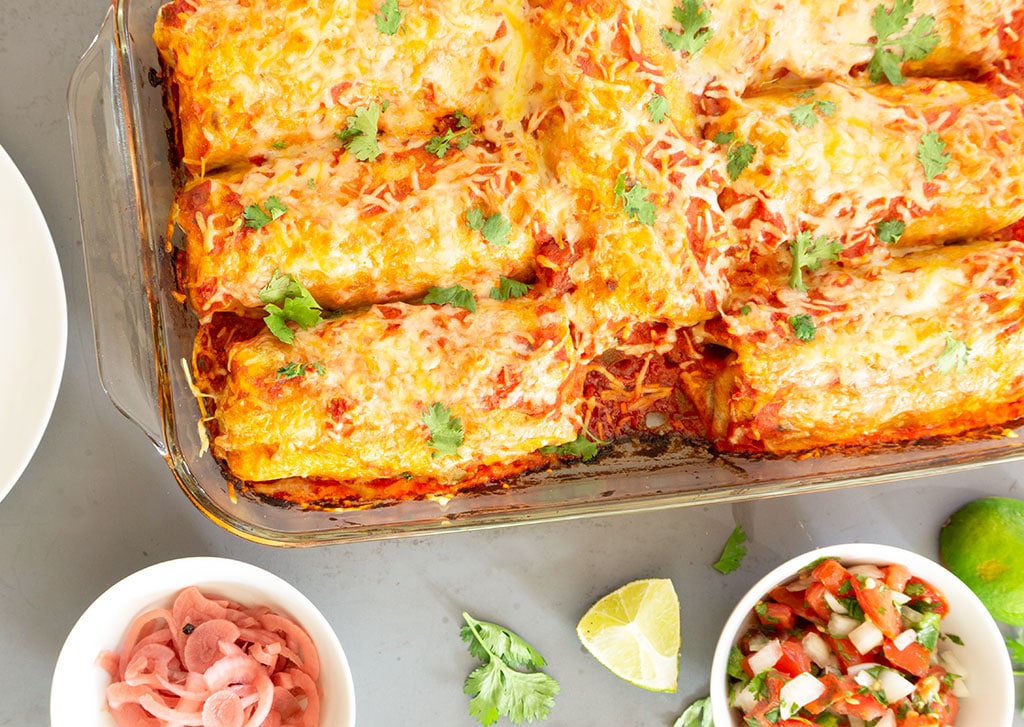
(861, 634)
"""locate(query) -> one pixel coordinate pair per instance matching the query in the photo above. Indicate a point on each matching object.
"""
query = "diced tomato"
(914, 719)
(796, 600)
(922, 592)
(947, 709)
(815, 597)
(776, 615)
(879, 607)
(846, 652)
(913, 659)
(793, 723)
(860, 705)
(831, 574)
(897, 576)
(794, 659)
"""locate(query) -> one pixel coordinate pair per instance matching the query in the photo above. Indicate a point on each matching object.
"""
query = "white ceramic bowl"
(77, 695)
(984, 655)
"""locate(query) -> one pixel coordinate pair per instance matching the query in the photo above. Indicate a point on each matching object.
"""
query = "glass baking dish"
(143, 333)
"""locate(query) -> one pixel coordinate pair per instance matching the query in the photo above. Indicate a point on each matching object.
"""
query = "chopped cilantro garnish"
(454, 295)
(286, 300)
(953, 356)
(634, 199)
(931, 152)
(583, 447)
(360, 135)
(733, 551)
(694, 34)
(803, 326)
(295, 369)
(890, 50)
(446, 435)
(495, 228)
(257, 217)
(389, 18)
(509, 288)
(657, 107)
(809, 253)
(890, 230)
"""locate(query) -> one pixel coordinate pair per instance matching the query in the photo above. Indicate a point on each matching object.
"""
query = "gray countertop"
(97, 503)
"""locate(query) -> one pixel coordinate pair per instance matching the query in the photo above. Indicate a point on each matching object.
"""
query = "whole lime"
(983, 544)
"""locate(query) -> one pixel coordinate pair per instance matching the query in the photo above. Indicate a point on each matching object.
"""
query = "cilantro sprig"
(453, 295)
(633, 196)
(494, 228)
(806, 114)
(439, 145)
(890, 230)
(583, 447)
(733, 552)
(510, 682)
(508, 288)
(693, 17)
(891, 51)
(954, 355)
(287, 300)
(657, 108)
(360, 134)
(931, 152)
(809, 253)
(389, 17)
(446, 433)
(258, 217)
(803, 326)
(739, 155)
(697, 714)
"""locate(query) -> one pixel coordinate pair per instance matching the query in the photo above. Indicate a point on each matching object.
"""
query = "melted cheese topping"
(249, 75)
(370, 232)
(363, 419)
(628, 316)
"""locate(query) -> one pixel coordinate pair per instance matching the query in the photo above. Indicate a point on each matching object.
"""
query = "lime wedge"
(634, 632)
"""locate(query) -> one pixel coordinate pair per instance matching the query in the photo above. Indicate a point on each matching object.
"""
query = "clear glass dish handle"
(116, 248)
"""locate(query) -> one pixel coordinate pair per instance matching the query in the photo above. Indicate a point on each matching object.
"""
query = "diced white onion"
(867, 571)
(856, 669)
(799, 585)
(802, 689)
(864, 678)
(910, 615)
(655, 419)
(886, 720)
(841, 626)
(834, 604)
(954, 666)
(766, 658)
(818, 651)
(900, 598)
(866, 637)
(904, 639)
(757, 642)
(894, 686)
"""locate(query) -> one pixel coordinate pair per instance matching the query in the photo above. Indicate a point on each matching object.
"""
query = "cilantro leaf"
(953, 356)
(694, 17)
(808, 254)
(634, 200)
(446, 435)
(389, 17)
(657, 107)
(803, 115)
(439, 145)
(257, 217)
(733, 552)
(360, 135)
(288, 300)
(509, 288)
(890, 52)
(509, 683)
(739, 155)
(890, 230)
(461, 119)
(295, 369)
(697, 714)
(583, 447)
(803, 326)
(495, 228)
(454, 295)
(931, 152)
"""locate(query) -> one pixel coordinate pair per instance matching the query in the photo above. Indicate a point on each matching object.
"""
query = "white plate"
(35, 324)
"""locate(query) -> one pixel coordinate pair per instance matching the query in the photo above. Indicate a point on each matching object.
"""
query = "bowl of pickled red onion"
(860, 634)
(210, 642)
